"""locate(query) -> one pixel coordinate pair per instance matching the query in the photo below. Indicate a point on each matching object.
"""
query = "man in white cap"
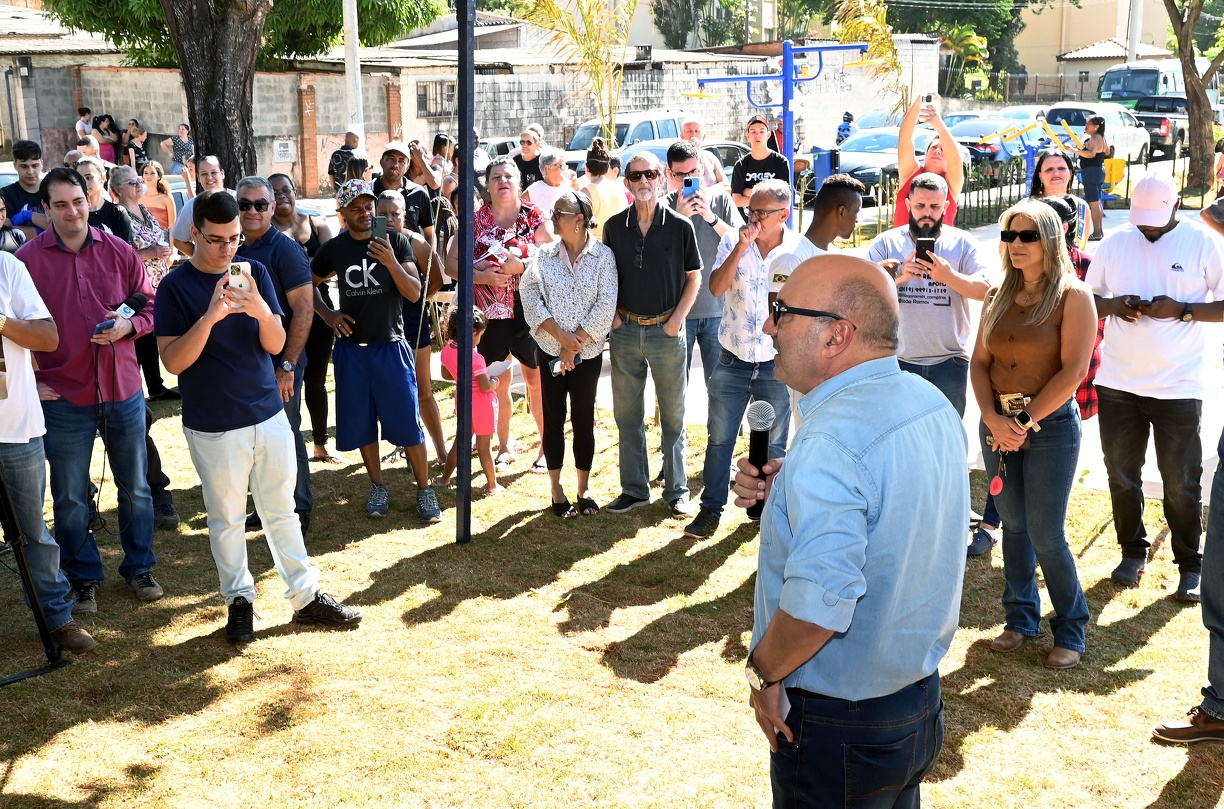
(1152, 279)
(418, 215)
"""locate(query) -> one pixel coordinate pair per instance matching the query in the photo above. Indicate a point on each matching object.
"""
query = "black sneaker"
(1189, 588)
(165, 517)
(704, 524)
(253, 523)
(240, 628)
(680, 506)
(327, 610)
(625, 503)
(659, 477)
(1129, 571)
(86, 597)
(4, 548)
(145, 587)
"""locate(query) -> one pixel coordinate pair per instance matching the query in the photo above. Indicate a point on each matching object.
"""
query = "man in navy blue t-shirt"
(218, 327)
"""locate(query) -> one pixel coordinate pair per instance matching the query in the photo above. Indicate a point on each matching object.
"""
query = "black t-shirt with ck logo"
(367, 291)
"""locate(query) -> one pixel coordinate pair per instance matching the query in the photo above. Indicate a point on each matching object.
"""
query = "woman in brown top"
(1037, 332)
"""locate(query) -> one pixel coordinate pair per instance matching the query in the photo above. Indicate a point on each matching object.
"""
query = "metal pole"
(1134, 26)
(465, 15)
(788, 117)
(352, 74)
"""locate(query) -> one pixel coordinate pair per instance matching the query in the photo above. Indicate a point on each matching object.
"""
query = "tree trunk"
(1198, 106)
(218, 45)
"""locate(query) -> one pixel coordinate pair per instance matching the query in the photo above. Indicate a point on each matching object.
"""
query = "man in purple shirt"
(91, 383)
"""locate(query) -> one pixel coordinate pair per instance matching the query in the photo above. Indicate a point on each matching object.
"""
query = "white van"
(630, 128)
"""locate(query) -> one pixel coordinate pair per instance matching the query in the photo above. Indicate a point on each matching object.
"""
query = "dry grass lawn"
(592, 662)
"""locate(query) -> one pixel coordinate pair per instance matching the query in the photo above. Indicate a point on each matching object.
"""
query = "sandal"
(564, 510)
(539, 466)
(503, 459)
(328, 458)
(588, 507)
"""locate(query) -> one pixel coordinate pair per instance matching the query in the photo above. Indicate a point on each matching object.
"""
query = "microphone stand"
(17, 541)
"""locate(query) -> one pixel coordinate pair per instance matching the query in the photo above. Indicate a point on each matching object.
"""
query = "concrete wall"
(1055, 31)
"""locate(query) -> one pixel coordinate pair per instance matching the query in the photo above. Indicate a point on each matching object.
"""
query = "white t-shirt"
(21, 415)
(544, 196)
(1160, 359)
(782, 263)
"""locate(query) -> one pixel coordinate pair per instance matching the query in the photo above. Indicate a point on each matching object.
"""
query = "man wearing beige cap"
(418, 215)
(1152, 279)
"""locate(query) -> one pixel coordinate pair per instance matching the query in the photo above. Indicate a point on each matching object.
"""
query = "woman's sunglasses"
(1025, 236)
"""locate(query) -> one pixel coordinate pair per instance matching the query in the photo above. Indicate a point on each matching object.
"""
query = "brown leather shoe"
(1009, 641)
(73, 638)
(1198, 726)
(1060, 658)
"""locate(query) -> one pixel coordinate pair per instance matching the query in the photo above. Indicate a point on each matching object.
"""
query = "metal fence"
(1036, 88)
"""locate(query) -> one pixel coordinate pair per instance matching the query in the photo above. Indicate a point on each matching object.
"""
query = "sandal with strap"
(587, 507)
(564, 510)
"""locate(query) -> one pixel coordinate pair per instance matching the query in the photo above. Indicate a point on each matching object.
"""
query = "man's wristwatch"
(756, 680)
(287, 366)
(1026, 421)
(3, 321)
(1188, 314)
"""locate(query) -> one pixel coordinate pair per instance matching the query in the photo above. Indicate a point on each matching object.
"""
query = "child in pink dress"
(484, 398)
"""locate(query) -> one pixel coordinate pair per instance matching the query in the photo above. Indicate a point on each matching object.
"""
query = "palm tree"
(590, 36)
(966, 48)
(867, 21)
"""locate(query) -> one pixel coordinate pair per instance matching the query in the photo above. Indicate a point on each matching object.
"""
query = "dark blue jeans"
(1174, 424)
(1213, 597)
(69, 444)
(871, 754)
(303, 500)
(1033, 504)
(731, 386)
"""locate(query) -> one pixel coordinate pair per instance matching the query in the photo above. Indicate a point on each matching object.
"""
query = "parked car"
(996, 150)
(871, 154)
(728, 152)
(1127, 137)
(629, 128)
(8, 173)
(951, 119)
(1028, 113)
(1167, 119)
(876, 119)
(500, 145)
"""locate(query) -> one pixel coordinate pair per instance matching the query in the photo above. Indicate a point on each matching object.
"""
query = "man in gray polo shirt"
(935, 294)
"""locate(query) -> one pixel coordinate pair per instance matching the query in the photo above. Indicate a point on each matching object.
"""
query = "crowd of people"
(867, 364)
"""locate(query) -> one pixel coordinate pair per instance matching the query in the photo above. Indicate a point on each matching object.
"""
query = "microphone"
(760, 421)
(128, 309)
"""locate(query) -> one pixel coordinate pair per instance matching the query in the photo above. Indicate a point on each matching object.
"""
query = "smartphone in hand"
(236, 278)
(691, 186)
(926, 249)
(380, 228)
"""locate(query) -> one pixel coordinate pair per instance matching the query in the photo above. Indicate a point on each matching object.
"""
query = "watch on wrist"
(3, 322)
(1188, 314)
(1026, 421)
(756, 680)
(287, 366)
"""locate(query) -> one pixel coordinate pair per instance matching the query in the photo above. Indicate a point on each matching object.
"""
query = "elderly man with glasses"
(658, 267)
(745, 366)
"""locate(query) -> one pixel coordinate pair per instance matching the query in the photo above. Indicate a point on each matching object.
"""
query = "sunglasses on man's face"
(260, 205)
(637, 176)
(1025, 236)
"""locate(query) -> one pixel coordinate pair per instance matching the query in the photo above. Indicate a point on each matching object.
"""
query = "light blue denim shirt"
(864, 531)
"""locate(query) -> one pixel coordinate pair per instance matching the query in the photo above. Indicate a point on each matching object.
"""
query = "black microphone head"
(138, 298)
(761, 416)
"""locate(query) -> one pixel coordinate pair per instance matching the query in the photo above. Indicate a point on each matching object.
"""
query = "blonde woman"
(1036, 337)
(157, 196)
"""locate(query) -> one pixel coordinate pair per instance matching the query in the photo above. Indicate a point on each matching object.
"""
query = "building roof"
(28, 31)
(1113, 49)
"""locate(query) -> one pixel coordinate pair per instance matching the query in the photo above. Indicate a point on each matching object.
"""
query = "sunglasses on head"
(260, 205)
(1025, 236)
(636, 176)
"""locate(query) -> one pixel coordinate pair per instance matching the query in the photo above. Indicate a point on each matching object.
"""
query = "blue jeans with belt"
(636, 350)
(870, 753)
(1033, 504)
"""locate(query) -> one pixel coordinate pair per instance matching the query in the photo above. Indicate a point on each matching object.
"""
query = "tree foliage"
(590, 38)
(292, 28)
(966, 48)
(867, 21)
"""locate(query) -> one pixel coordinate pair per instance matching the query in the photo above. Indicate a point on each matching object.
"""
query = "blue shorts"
(375, 384)
(413, 324)
(1093, 178)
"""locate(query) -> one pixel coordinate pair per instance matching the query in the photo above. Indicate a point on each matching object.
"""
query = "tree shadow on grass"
(1199, 785)
(521, 552)
(1013, 680)
(138, 780)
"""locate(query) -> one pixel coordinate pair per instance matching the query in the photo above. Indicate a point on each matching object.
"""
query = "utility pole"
(352, 74)
(1134, 26)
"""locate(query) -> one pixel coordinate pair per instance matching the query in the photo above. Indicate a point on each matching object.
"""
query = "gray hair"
(649, 157)
(119, 176)
(255, 181)
(550, 156)
(509, 163)
(779, 191)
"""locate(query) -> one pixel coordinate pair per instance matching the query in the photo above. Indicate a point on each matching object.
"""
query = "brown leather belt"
(653, 320)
